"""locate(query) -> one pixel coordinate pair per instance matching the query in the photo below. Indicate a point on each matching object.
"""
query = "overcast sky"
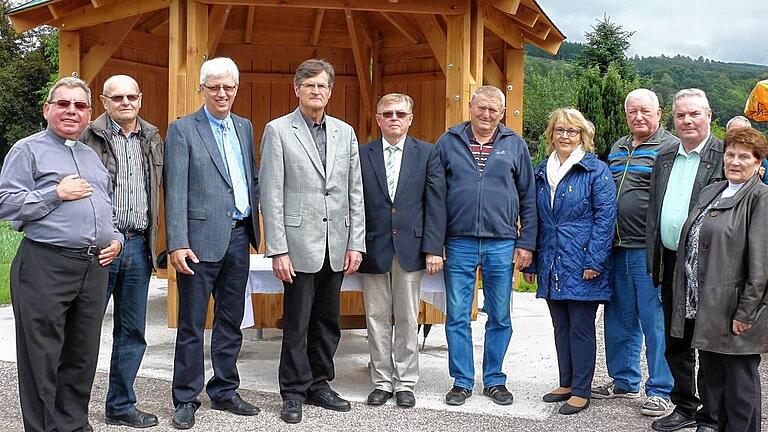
(733, 31)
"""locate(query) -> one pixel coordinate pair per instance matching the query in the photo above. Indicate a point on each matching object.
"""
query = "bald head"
(122, 100)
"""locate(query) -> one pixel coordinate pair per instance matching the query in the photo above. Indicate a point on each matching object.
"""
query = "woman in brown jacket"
(720, 285)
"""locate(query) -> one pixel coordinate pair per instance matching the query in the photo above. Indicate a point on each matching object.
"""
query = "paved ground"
(530, 365)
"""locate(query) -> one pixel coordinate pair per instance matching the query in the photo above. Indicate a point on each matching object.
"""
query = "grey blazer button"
(229, 213)
(325, 219)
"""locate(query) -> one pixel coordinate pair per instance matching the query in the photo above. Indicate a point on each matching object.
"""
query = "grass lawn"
(9, 242)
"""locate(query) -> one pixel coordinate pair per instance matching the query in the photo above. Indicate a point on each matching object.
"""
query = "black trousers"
(58, 300)
(681, 358)
(733, 386)
(226, 280)
(310, 332)
(574, 323)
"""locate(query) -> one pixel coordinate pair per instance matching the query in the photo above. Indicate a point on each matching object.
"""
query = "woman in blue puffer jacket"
(576, 200)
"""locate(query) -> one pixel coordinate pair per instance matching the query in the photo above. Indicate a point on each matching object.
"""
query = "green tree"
(607, 44)
(589, 100)
(24, 71)
(613, 92)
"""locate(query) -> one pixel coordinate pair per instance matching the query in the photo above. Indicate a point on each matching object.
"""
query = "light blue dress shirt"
(237, 176)
(674, 209)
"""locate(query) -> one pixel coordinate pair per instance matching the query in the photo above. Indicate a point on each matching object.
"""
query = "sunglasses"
(65, 103)
(398, 114)
(119, 98)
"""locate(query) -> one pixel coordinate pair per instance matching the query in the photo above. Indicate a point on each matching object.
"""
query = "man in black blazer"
(404, 190)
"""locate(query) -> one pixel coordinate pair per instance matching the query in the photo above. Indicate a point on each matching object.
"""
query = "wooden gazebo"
(437, 51)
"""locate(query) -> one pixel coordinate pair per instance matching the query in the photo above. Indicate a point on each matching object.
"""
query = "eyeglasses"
(316, 86)
(217, 88)
(390, 114)
(65, 103)
(570, 132)
(119, 98)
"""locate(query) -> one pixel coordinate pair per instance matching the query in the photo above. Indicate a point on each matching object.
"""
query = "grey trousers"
(393, 345)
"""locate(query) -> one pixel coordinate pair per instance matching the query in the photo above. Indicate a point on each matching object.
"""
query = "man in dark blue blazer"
(211, 208)
(404, 190)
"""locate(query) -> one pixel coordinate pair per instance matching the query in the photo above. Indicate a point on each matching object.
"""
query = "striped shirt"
(480, 151)
(130, 196)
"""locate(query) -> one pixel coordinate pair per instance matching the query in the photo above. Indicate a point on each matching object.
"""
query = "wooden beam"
(53, 10)
(541, 30)
(100, 3)
(458, 67)
(87, 16)
(514, 72)
(249, 19)
(105, 46)
(526, 15)
(136, 66)
(376, 81)
(476, 48)
(197, 34)
(506, 6)
(316, 27)
(503, 26)
(60, 9)
(406, 53)
(441, 7)
(551, 44)
(217, 20)
(403, 26)
(69, 53)
(435, 38)
(157, 22)
(361, 51)
(492, 73)
(27, 20)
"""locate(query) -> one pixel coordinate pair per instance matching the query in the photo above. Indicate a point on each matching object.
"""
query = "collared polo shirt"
(677, 198)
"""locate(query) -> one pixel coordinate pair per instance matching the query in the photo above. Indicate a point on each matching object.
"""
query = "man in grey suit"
(314, 227)
(211, 204)
(404, 189)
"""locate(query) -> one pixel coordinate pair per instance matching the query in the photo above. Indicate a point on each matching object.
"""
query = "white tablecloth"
(262, 281)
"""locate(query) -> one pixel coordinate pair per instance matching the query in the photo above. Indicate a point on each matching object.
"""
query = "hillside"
(727, 84)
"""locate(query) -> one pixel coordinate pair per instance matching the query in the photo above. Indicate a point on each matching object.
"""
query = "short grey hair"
(312, 68)
(69, 82)
(642, 93)
(395, 98)
(109, 81)
(737, 122)
(219, 67)
(688, 93)
(490, 91)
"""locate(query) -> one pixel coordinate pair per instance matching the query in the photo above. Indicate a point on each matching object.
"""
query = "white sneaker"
(654, 406)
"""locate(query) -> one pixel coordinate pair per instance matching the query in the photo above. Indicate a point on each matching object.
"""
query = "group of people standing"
(685, 214)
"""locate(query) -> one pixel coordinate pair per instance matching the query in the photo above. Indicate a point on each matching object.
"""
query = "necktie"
(235, 167)
(392, 173)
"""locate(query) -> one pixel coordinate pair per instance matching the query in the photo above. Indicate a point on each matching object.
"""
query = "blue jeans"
(635, 312)
(129, 277)
(495, 257)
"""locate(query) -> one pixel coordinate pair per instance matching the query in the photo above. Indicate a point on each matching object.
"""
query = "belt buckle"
(92, 250)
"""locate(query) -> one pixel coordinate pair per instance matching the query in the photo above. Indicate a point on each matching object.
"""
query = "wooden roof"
(409, 24)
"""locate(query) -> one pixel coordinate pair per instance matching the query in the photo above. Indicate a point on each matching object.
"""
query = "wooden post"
(378, 88)
(514, 72)
(69, 53)
(477, 29)
(457, 69)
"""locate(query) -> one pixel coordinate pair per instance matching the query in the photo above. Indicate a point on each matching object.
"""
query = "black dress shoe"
(673, 422)
(184, 417)
(291, 411)
(136, 419)
(86, 428)
(236, 405)
(328, 399)
(705, 428)
(405, 399)
(378, 397)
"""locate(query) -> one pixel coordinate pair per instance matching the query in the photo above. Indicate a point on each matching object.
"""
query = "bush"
(9, 242)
